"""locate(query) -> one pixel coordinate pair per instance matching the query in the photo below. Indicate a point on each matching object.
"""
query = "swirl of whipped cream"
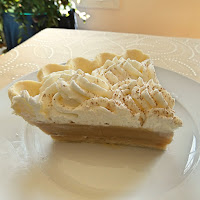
(139, 96)
(65, 91)
(121, 69)
(49, 86)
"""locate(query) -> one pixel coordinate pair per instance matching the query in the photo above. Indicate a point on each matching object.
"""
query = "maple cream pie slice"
(114, 99)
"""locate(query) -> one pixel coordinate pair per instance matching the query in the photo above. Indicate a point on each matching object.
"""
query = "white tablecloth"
(181, 55)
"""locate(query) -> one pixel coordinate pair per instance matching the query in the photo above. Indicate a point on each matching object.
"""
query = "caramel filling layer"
(107, 134)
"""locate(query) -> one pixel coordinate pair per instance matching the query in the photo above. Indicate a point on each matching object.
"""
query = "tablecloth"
(181, 55)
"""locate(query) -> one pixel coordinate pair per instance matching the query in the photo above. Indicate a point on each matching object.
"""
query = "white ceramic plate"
(32, 166)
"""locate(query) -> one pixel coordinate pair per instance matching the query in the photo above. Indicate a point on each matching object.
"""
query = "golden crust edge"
(89, 65)
(31, 86)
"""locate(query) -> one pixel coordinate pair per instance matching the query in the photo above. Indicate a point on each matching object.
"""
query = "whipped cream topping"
(143, 96)
(121, 69)
(122, 92)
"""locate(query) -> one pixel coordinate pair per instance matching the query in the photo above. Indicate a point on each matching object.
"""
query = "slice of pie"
(113, 99)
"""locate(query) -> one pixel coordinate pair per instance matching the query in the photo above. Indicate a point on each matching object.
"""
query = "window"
(112, 4)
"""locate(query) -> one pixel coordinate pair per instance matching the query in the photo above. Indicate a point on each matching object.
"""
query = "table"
(181, 55)
(58, 45)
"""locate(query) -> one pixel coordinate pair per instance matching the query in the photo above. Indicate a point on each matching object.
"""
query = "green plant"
(52, 9)
(5, 5)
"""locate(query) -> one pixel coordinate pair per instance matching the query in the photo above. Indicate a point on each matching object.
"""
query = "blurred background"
(21, 19)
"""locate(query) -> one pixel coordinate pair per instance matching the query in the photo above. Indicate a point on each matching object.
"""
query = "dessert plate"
(33, 166)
